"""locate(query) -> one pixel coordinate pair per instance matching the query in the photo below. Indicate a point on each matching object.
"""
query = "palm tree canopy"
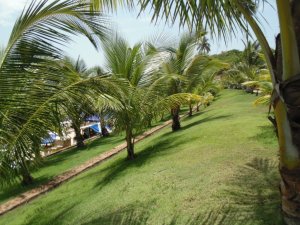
(220, 17)
(34, 83)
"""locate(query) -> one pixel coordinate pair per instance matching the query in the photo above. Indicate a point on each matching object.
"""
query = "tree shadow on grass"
(196, 123)
(166, 144)
(140, 214)
(160, 146)
(254, 191)
(266, 136)
(16, 189)
(204, 120)
(53, 213)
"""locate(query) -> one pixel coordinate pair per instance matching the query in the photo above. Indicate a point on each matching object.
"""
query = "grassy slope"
(57, 164)
(219, 169)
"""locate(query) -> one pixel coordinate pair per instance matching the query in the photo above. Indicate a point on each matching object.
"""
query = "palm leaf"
(34, 83)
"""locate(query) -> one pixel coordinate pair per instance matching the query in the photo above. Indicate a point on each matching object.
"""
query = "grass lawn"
(59, 163)
(221, 168)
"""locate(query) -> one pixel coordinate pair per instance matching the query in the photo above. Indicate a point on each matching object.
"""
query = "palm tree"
(145, 101)
(203, 45)
(252, 54)
(81, 109)
(224, 18)
(249, 68)
(33, 86)
(181, 70)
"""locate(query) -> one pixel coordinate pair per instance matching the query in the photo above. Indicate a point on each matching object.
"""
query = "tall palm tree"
(204, 45)
(33, 85)
(224, 17)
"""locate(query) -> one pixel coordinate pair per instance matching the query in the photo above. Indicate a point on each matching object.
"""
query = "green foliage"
(231, 56)
(144, 101)
(34, 84)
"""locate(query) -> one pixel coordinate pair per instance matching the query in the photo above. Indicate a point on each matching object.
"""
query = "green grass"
(59, 163)
(221, 168)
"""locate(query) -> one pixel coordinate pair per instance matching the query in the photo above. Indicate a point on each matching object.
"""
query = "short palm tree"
(264, 85)
(145, 101)
(181, 70)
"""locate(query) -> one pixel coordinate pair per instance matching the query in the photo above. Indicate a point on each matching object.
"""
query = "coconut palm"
(82, 109)
(224, 17)
(123, 62)
(145, 101)
(249, 68)
(252, 54)
(284, 67)
(264, 87)
(203, 45)
(34, 88)
(181, 70)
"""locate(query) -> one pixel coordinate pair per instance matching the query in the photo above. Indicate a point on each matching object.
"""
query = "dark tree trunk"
(78, 137)
(175, 118)
(190, 110)
(27, 179)
(198, 108)
(149, 122)
(104, 131)
(162, 117)
(130, 144)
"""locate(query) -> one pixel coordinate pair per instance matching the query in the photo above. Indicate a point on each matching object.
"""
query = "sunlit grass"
(221, 168)
(59, 163)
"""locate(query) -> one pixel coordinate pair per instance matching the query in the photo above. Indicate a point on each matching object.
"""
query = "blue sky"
(132, 28)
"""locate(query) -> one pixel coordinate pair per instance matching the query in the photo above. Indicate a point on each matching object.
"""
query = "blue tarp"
(96, 128)
(50, 139)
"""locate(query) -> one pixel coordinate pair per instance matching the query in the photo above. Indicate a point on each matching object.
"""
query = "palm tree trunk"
(27, 179)
(130, 144)
(284, 69)
(104, 131)
(162, 117)
(190, 110)
(175, 118)
(198, 107)
(149, 122)
(78, 136)
(287, 109)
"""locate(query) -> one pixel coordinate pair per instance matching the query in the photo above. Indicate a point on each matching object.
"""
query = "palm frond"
(220, 17)
(34, 82)
(263, 100)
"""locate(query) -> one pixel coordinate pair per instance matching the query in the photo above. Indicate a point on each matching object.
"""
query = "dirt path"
(58, 180)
